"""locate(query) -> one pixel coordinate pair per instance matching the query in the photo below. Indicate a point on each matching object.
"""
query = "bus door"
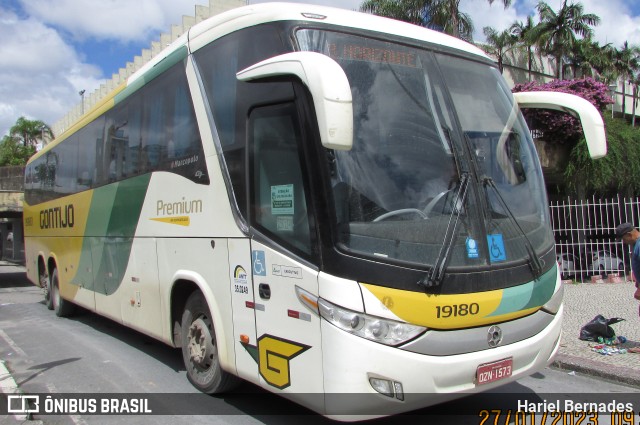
(288, 340)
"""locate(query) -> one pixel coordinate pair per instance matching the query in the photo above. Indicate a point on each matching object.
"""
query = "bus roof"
(224, 23)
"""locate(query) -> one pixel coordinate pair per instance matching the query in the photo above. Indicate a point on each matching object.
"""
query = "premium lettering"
(180, 207)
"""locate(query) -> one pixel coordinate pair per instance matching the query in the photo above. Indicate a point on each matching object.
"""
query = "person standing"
(628, 233)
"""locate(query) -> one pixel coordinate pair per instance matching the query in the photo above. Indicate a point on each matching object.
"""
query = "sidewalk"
(582, 302)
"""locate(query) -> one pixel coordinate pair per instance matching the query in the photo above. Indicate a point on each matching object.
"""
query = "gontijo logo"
(57, 217)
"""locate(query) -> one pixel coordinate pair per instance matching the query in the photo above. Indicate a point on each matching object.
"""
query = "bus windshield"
(422, 121)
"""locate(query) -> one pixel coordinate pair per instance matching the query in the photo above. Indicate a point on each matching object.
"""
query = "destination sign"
(351, 51)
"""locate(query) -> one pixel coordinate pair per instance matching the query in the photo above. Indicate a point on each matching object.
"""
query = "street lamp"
(613, 88)
(81, 93)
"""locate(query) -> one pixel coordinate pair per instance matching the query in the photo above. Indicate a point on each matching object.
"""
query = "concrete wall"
(11, 197)
(12, 178)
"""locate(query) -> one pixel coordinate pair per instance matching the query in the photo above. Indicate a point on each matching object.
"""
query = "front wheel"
(200, 349)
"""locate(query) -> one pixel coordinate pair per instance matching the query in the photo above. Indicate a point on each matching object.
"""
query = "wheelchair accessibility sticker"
(496, 248)
(259, 266)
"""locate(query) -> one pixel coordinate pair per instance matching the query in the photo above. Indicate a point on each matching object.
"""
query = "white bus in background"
(317, 201)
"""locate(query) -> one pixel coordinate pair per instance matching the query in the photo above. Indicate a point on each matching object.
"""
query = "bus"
(317, 201)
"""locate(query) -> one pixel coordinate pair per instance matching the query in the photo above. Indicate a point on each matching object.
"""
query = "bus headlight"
(388, 332)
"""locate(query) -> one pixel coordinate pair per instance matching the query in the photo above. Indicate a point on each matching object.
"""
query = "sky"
(50, 50)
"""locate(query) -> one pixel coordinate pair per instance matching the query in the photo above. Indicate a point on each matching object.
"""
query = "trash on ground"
(599, 327)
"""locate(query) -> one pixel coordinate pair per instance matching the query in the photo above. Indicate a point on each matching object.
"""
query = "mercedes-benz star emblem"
(494, 336)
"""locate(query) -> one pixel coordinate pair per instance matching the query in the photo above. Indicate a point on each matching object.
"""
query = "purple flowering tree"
(559, 127)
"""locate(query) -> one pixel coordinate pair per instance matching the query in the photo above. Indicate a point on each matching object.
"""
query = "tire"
(45, 284)
(62, 307)
(200, 349)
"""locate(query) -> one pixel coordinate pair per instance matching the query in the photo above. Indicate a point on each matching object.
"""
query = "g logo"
(274, 355)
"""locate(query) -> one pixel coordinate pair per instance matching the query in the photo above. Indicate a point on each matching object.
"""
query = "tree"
(498, 44)
(557, 31)
(13, 152)
(635, 84)
(583, 58)
(617, 172)
(626, 62)
(29, 132)
(446, 17)
(523, 34)
(412, 11)
(441, 15)
(600, 59)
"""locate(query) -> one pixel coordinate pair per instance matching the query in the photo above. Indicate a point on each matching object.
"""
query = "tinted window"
(154, 129)
(278, 201)
(90, 138)
(230, 99)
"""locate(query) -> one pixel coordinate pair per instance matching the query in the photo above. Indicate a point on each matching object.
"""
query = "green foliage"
(618, 171)
(29, 132)
(12, 152)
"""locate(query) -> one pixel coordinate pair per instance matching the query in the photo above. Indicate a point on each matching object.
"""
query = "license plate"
(491, 372)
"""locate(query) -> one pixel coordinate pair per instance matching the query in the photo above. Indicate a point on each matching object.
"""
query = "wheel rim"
(200, 343)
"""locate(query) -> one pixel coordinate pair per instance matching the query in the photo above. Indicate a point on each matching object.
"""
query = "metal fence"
(584, 230)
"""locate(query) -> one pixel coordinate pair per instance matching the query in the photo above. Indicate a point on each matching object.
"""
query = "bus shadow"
(170, 357)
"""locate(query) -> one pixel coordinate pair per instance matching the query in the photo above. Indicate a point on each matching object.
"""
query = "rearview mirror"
(592, 124)
(329, 88)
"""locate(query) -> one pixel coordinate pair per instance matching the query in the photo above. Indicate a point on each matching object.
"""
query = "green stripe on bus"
(530, 295)
(113, 219)
(173, 58)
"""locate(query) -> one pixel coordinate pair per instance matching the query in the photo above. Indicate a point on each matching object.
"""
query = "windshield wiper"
(534, 261)
(436, 275)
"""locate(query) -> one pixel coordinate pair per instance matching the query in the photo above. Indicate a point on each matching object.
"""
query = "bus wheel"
(45, 284)
(62, 307)
(200, 350)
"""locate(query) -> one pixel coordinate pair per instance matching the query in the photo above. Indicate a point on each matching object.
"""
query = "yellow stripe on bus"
(444, 311)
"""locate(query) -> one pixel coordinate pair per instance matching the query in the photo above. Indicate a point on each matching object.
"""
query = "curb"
(617, 374)
(8, 386)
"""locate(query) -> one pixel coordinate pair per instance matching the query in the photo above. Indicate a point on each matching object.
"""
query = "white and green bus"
(314, 200)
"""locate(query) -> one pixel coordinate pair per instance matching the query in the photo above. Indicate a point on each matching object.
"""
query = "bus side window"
(278, 202)
(230, 98)
(89, 138)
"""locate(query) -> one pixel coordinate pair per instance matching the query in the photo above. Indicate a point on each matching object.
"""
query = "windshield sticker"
(496, 248)
(472, 248)
(284, 223)
(282, 200)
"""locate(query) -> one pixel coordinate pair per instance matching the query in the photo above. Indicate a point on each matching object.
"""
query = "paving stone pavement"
(582, 302)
